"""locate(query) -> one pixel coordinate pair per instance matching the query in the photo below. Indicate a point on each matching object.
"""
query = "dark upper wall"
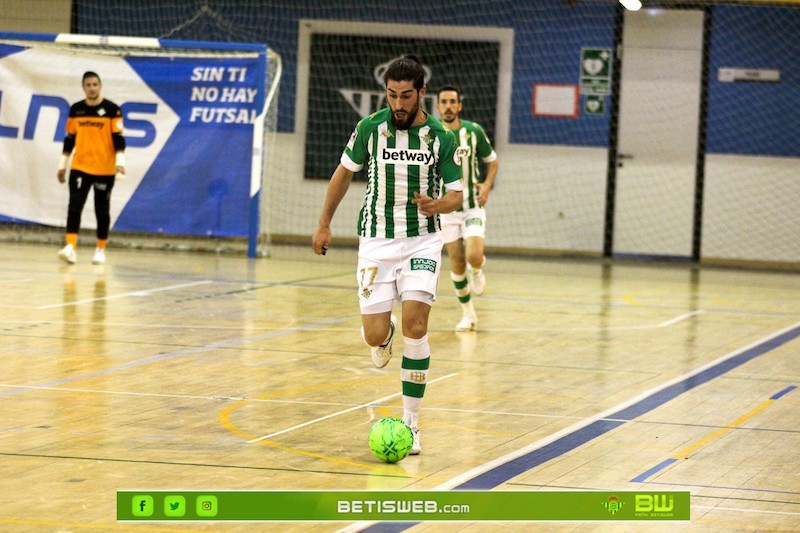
(548, 39)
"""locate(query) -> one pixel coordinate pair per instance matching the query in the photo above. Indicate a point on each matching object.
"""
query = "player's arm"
(488, 156)
(450, 173)
(69, 145)
(447, 203)
(119, 148)
(486, 187)
(337, 188)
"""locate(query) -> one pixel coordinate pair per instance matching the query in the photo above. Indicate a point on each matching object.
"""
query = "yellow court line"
(225, 414)
(723, 430)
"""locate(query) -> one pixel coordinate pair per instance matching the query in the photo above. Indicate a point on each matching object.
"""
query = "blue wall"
(748, 117)
(743, 118)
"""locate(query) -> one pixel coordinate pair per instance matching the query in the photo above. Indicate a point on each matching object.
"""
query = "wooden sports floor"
(191, 371)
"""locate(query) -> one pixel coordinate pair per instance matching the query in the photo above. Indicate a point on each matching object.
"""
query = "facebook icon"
(142, 505)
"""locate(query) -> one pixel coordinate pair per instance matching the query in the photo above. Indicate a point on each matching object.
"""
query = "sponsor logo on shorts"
(418, 263)
(473, 222)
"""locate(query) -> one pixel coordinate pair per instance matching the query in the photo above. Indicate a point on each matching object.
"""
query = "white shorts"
(462, 224)
(389, 267)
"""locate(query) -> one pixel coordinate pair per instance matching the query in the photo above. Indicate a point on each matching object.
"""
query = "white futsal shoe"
(99, 257)
(412, 422)
(381, 355)
(477, 280)
(467, 323)
(68, 255)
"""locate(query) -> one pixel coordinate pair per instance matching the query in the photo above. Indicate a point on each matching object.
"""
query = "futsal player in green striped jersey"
(409, 156)
(464, 230)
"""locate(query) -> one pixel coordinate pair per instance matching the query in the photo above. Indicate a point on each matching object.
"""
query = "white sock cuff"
(416, 348)
(458, 277)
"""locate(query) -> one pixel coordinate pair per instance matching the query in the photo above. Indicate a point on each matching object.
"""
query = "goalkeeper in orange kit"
(94, 132)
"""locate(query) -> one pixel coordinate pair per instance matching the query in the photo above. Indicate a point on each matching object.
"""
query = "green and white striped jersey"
(472, 143)
(400, 163)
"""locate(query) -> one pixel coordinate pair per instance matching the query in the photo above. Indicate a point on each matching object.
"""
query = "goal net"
(664, 133)
(197, 117)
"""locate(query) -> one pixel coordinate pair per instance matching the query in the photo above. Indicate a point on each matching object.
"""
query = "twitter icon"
(174, 505)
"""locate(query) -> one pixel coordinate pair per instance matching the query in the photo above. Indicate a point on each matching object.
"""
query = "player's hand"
(426, 204)
(62, 175)
(120, 172)
(321, 240)
(483, 194)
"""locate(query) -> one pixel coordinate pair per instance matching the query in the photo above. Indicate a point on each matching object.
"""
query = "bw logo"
(659, 503)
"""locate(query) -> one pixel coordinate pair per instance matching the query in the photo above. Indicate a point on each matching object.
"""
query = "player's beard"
(448, 118)
(406, 123)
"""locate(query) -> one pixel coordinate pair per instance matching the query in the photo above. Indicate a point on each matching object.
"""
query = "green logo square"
(420, 263)
(174, 505)
(207, 505)
(142, 505)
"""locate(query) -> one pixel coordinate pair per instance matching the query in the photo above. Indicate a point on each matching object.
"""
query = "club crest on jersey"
(407, 155)
(419, 263)
(352, 141)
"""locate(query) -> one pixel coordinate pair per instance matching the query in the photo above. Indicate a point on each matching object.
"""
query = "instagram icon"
(207, 505)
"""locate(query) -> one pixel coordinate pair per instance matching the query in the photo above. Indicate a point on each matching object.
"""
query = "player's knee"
(458, 265)
(475, 258)
(415, 326)
(375, 336)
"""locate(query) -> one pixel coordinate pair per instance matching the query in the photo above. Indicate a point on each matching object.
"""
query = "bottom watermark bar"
(401, 505)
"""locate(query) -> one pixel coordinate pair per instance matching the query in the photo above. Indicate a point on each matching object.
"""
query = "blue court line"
(502, 473)
(641, 478)
(170, 355)
(782, 393)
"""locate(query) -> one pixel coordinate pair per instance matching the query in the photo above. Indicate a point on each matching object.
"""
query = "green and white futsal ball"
(390, 439)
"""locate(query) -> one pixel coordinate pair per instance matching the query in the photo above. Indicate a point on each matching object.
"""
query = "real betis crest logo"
(613, 505)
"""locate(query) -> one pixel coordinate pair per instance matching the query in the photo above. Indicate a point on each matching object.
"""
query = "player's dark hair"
(450, 88)
(90, 74)
(407, 68)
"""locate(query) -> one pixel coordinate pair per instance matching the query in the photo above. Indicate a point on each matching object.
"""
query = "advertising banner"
(189, 124)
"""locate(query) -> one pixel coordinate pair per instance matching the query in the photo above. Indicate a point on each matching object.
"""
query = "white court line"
(322, 404)
(664, 324)
(481, 469)
(679, 318)
(362, 406)
(125, 295)
(126, 393)
(299, 402)
(466, 476)
(712, 508)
